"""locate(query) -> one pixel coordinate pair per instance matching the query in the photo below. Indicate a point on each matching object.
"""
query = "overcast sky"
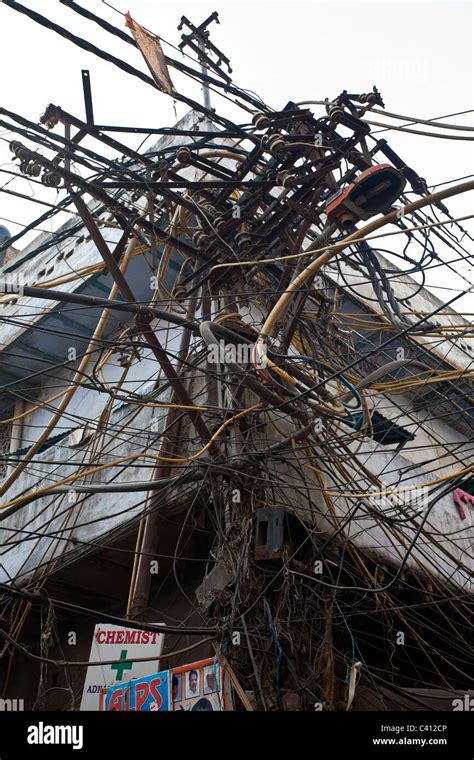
(420, 56)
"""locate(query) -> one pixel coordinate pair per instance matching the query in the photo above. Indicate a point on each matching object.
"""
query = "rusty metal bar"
(142, 321)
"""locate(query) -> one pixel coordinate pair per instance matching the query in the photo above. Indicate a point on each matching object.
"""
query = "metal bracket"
(86, 84)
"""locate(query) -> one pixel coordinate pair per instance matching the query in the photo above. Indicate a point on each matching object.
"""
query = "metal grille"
(6, 412)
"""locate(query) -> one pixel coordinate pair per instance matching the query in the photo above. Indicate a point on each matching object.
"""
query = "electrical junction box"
(373, 191)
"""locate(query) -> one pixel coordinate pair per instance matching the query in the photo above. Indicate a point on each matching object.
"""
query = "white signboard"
(114, 642)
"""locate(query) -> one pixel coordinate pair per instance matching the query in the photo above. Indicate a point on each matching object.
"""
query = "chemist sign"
(114, 642)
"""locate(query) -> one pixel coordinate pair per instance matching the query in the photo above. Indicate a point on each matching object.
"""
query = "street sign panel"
(114, 642)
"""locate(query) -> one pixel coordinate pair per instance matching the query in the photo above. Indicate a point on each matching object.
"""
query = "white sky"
(420, 56)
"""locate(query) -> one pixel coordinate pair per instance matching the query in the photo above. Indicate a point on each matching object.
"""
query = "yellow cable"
(339, 246)
(330, 251)
(139, 455)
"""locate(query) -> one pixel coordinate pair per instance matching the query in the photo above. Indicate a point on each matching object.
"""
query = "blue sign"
(151, 693)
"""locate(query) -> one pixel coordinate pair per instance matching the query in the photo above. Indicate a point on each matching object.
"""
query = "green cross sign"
(120, 667)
